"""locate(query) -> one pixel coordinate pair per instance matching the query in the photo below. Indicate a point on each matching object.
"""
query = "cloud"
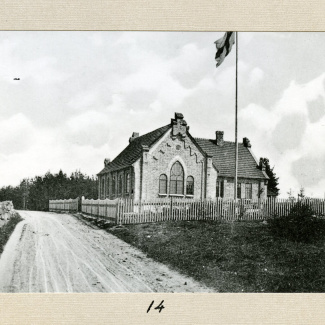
(16, 134)
(316, 109)
(256, 75)
(89, 128)
(309, 171)
(284, 132)
(289, 132)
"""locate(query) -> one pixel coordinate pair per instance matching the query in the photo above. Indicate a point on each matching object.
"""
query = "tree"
(291, 196)
(273, 182)
(301, 194)
(35, 193)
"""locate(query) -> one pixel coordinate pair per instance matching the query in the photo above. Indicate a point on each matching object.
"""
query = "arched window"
(176, 179)
(127, 189)
(113, 185)
(163, 184)
(190, 185)
(120, 184)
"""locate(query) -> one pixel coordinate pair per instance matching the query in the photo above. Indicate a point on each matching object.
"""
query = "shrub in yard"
(7, 229)
(300, 225)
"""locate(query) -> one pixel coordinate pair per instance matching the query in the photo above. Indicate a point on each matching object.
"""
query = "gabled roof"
(134, 150)
(223, 157)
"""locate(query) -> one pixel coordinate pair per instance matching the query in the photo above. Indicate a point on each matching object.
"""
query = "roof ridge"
(214, 140)
(140, 136)
(133, 150)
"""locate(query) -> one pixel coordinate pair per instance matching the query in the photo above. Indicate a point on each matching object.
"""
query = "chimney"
(179, 126)
(219, 138)
(246, 143)
(134, 135)
(262, 165)
(106, 162)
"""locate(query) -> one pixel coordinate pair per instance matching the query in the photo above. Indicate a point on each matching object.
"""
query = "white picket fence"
(125, 211)
(219, 209)
(107, 209)
(189, 209)
(70, 205)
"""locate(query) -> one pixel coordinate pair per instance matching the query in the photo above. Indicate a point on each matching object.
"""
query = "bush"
(7, 229)
(301, 225)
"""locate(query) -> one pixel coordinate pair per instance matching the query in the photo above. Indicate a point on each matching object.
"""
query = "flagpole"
(236, 126)
(224, 46)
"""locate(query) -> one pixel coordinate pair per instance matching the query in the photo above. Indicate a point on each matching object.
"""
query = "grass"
(7, 229)
(239, 257)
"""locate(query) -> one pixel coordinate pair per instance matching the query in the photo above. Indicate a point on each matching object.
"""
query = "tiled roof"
(133, 151)
(223, 158)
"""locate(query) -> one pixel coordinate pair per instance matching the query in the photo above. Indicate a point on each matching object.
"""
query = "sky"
(82, 94)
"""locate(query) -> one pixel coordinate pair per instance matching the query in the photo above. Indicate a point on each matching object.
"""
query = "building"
(170, 162)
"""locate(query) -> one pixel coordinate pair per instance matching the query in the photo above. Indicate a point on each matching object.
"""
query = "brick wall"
(256, 186)
(164, 155)
(160, 162)
(107, 190)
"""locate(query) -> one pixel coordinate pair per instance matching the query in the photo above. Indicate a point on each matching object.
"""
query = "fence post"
(171, 208)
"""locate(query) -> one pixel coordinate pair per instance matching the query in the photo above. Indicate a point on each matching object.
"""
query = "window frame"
(114, 185)
(190, 179)
(248, 191)
(165, 180)
(120, 184)
(220, 193)
(102, 186)
(176, 186)
(127, 183)
(107, 186)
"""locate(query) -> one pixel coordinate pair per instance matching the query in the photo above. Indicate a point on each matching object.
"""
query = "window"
(120, 184)
(107, 187)
(176, 179)
(113, 185)
(238, 191)
(127, 189)
(248, 191)
(163, 184)
(103, 187)
(190, 185)
(219, 189)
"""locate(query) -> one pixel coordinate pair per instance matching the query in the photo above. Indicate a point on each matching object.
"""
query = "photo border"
(162, 15)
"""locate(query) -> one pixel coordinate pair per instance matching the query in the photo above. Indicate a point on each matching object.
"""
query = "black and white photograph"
(166, 162)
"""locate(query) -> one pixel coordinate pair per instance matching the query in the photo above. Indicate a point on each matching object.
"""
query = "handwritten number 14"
(160, 307)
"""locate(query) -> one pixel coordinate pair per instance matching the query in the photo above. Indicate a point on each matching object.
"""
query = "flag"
(224, 46)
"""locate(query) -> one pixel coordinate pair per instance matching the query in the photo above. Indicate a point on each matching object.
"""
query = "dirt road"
(51, 252)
